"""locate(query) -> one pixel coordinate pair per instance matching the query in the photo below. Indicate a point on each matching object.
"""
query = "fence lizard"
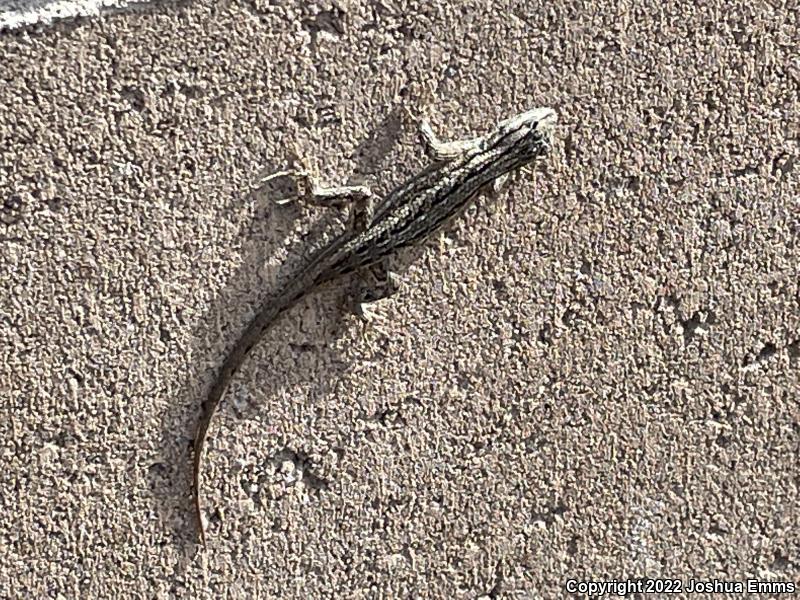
(407, 216)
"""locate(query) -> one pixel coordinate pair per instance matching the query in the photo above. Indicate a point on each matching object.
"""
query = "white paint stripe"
(20, 13)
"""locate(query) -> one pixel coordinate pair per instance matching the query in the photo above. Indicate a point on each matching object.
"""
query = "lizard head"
(527, 134)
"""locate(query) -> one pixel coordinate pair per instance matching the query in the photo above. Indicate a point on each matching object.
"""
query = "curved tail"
(260, 324)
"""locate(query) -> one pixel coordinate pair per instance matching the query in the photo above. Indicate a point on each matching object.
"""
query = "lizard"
(407, 216)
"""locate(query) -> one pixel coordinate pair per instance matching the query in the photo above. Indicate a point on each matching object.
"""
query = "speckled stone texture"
(594, 377)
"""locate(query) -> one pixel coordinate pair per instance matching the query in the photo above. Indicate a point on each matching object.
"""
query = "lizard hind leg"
(372, 284)
(359, 198)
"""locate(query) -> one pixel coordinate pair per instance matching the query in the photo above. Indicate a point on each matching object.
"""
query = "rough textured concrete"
(595, 377)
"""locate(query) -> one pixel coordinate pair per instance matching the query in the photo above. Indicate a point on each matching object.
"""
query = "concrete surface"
(595, 377)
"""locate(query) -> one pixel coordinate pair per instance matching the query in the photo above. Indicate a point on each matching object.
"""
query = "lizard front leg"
(446, 151)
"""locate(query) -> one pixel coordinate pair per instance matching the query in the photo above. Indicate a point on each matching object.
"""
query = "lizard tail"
(254, 332)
